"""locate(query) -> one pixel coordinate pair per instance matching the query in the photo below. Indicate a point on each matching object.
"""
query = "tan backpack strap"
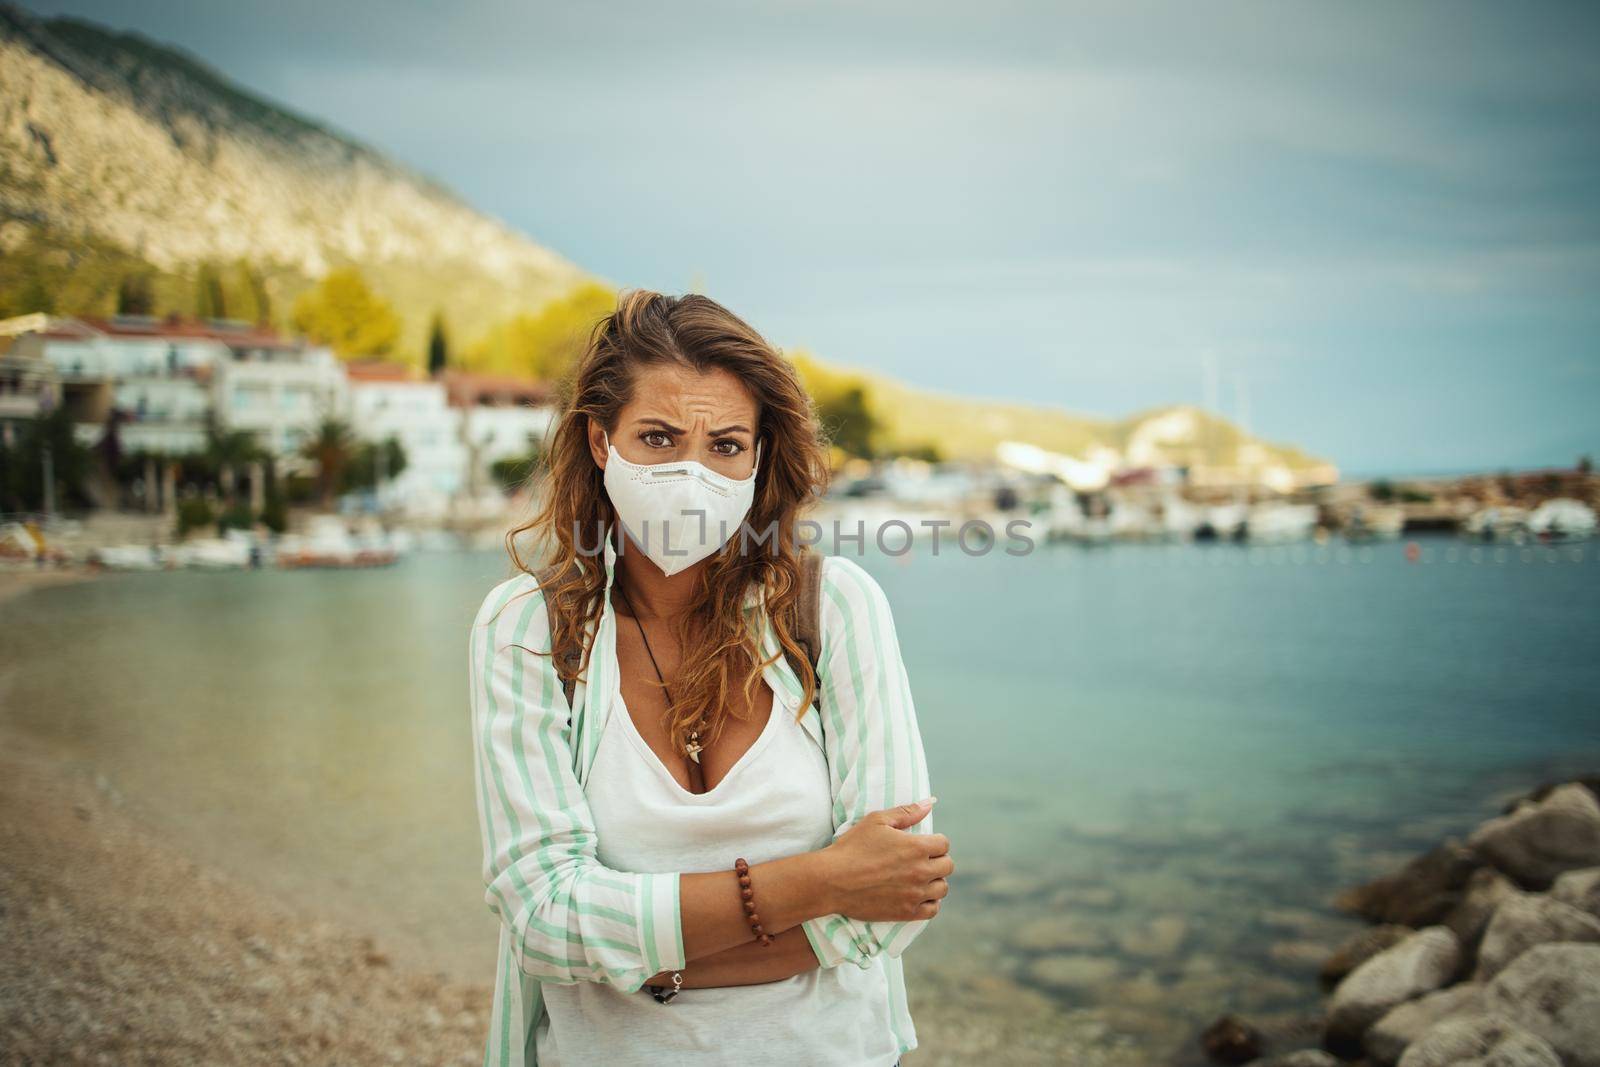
(569, 653)
(808, 613)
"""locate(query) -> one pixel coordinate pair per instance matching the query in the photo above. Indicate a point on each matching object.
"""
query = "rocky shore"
(117, 949)
(1480, 953)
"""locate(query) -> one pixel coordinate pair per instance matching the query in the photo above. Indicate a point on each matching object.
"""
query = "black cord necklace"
(693, 746)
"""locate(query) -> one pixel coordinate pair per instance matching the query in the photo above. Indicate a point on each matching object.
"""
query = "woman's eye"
(656, 438)
(733, 447)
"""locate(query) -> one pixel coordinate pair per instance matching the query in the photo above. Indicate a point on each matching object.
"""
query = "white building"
(168, 375)
(387, 400)
(501, 418)
(280, 394)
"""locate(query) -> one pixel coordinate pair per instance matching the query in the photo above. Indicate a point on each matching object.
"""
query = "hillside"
(965, 427)
(112, 143)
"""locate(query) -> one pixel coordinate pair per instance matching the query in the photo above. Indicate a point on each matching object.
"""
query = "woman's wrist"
(786, 892)
(791, 890)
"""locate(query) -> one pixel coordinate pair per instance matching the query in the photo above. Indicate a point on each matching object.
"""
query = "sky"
(1378, 225)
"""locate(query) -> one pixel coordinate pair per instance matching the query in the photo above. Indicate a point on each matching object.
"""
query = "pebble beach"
(119, 949)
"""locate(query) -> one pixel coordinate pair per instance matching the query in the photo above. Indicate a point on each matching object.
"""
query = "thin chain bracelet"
(749, 897)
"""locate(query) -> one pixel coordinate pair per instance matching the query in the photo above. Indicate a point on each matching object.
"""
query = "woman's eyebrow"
(663, 423)
(651, 420)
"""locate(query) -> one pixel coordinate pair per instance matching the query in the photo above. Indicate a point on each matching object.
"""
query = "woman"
(612, 826)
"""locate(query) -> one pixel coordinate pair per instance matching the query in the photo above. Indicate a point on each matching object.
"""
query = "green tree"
(210, 302)
(510, 473)
(135, 296)
(844, 407)
(253, 303)
(928, 452)
(22, 465)
(547, 344)
(64, 275)
(331, 448)
(194, 512)
(371, 460)
(438, 346)
(343, 312)
(228, 452)
(848, 419)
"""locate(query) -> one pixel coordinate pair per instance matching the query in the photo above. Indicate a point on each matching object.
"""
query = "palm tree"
(331, 447)
(229, 450)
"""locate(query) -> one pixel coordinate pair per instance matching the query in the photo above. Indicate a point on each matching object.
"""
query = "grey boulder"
(1423, 962)
(1525, 920)
(1359, 948)
(1542, 839)
(1554, 991)
(1308, 1057)
(1581, 889)
(1391, 1035)
(1482, 894)
(1479, 1041)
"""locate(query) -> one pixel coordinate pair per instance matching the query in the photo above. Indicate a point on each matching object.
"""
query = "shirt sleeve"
(569, 918)
(871, 740)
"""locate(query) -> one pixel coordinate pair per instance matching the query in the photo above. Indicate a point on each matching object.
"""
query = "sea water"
(1156, 764)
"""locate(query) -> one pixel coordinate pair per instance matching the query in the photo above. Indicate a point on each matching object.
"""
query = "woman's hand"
(880, 873)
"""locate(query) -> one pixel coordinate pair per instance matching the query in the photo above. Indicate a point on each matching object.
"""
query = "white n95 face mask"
(679, 512)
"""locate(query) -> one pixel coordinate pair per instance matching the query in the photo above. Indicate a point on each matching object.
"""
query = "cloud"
(1076, 198)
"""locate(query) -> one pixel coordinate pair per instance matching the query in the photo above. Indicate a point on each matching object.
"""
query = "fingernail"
(930, 801)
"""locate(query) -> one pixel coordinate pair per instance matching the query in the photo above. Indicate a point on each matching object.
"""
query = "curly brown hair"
(649, 328)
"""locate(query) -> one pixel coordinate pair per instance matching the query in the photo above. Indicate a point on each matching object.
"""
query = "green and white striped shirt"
(564, 917)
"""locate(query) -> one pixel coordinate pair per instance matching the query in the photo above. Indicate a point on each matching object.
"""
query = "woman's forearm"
(748, 964)
(787, 892)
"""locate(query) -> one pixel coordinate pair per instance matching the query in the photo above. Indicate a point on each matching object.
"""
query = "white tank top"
(773, 802)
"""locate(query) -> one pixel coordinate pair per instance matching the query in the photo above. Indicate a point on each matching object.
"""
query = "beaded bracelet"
(749, 896)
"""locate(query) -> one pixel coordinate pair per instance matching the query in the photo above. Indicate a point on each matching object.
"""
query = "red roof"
(238, 334)
(466, 389)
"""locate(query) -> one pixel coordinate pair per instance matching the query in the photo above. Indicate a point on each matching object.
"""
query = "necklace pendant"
(694, 750)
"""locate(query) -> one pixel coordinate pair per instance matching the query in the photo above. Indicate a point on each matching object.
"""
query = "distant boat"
(1179, 520)
(328, 543)
(1069, 520)
(1506, 522)
(132, 557)
(1222, 522)
(1280, 523)
(1376, 522)
(1561, 519)
(213, 553)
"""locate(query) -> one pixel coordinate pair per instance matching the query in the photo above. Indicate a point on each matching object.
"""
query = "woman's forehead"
(683, 395)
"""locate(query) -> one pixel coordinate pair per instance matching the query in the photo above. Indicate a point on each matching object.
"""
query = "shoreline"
(18, 581)
(97, 910)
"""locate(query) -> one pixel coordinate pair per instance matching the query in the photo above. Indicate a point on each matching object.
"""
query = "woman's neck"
(651, 593)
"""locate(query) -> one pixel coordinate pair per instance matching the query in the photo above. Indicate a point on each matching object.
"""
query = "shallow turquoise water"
(1207, 738)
